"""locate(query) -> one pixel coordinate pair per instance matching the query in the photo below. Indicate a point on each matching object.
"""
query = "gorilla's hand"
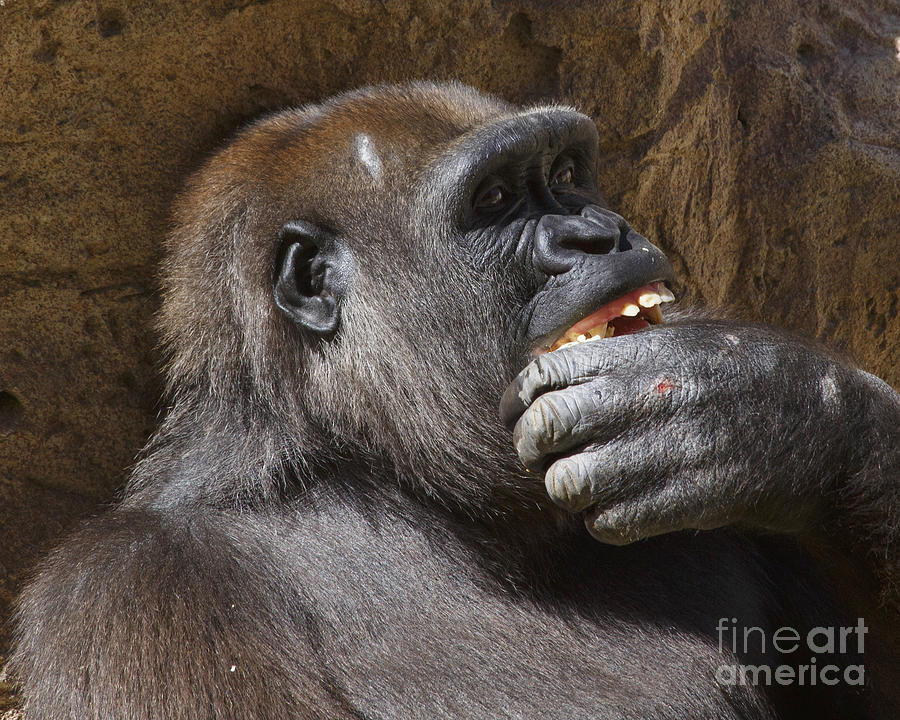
(696, 426)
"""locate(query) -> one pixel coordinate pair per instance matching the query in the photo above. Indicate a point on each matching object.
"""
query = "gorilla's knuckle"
(552, 416)
(547, 372)
(538, 430)
(568, 484)
(585, 365)
(529, 450)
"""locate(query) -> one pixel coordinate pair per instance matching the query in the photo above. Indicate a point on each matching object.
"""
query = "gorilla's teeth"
(595, 333)
(665, 294)
(641, 303)
(654, 315)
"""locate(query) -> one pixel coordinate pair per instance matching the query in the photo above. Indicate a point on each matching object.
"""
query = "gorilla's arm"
(708, 424)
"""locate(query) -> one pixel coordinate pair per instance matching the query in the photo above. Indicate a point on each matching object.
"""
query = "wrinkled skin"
(697, 426)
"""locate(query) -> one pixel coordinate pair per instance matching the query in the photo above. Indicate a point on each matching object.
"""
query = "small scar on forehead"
(368, 155)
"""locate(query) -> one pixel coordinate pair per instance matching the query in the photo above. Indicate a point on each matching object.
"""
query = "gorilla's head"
(361, 279)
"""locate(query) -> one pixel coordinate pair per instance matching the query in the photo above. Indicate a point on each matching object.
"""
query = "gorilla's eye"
(492, 197)
(564, 176)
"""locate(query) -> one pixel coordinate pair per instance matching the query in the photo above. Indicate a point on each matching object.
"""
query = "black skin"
(699, 426)
(334, 519)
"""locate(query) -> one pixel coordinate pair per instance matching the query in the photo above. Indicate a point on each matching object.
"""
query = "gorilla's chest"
(406, 631)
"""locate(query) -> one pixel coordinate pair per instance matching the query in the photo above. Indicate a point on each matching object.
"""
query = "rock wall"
(757, 142)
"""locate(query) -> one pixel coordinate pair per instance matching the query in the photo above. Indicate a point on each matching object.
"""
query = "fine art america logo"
(830, 644)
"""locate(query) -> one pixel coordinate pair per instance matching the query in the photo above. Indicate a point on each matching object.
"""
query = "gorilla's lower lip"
(630, 312)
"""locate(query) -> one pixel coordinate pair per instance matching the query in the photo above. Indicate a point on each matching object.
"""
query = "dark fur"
(339, 527)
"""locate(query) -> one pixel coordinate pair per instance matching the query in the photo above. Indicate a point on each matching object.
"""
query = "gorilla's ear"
(312, 276)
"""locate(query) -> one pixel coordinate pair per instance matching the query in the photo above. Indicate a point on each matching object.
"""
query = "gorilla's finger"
(667, 510)
(690, 495)
(594, 413)
(621, 525)
(570, 482)
(551, 371)
(545, 373)
(597, 476)
(559, 421)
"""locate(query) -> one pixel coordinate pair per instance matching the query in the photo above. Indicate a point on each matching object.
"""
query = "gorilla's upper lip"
(625, 314)
(596, 282)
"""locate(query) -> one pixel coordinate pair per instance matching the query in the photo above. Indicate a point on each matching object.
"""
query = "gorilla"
(433, 450)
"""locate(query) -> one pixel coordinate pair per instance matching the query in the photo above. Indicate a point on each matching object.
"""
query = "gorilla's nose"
(563, 241)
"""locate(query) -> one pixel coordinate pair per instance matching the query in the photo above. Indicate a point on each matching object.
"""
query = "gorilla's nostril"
(562, 241)
(590, 245)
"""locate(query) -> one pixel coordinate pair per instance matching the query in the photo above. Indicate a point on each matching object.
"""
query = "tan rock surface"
(758, 143)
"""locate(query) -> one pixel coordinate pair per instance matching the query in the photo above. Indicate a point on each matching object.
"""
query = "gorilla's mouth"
(627, 314)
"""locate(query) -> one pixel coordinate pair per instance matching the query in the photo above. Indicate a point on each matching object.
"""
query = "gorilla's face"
(529, 204)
